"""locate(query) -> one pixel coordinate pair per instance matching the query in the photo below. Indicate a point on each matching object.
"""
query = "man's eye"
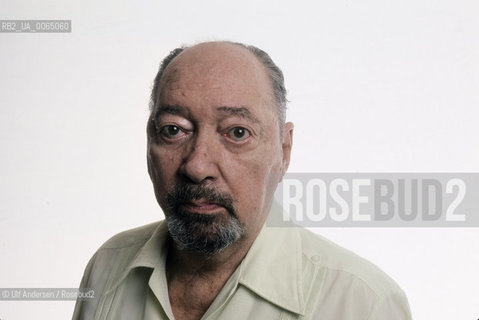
(171, 131)
(238, 133)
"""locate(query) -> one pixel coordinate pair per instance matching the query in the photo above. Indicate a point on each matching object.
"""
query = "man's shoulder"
(342, 263)
(132, 237)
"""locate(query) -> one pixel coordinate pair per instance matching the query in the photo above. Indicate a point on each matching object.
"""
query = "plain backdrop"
(374, 85)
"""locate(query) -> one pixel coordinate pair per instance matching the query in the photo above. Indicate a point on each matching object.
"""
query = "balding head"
(233, 50)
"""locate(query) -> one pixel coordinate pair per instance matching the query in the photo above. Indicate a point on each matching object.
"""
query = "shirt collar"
(151, 255)
(272, 267)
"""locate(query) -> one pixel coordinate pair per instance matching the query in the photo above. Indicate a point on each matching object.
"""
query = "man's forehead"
(216, 77)
(225, 111)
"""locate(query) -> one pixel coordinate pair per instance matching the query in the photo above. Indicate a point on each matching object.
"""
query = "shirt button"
(315, 259)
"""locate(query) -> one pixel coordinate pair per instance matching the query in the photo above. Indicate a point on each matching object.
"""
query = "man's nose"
(201, 160)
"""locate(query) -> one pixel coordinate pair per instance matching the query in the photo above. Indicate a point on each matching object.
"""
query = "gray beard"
(204, 234)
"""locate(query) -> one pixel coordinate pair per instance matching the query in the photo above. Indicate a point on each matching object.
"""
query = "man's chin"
(204, 233)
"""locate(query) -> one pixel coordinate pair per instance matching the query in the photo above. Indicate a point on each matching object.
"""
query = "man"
(218, 146)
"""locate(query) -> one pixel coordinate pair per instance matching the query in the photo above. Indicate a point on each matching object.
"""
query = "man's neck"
(194, 280)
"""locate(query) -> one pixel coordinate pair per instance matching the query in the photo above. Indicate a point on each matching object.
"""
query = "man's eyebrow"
(167, 109)
(241, 112)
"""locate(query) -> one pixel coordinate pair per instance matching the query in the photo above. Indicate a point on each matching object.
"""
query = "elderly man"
(218, 146)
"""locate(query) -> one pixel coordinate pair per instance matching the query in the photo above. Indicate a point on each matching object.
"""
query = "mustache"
(187, 192)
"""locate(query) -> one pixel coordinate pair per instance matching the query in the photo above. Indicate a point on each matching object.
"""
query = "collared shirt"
(288, 273)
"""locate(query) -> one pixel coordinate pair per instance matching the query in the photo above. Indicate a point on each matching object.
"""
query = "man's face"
(214, 150)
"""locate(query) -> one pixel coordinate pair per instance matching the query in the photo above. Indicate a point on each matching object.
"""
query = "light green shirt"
(288, 273)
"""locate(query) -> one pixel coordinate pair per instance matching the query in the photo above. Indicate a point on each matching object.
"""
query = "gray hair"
(274, 72)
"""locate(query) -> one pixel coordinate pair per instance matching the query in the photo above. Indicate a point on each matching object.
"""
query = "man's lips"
(202, 207)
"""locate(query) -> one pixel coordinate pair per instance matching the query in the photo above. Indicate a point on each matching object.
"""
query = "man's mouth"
(202, 207)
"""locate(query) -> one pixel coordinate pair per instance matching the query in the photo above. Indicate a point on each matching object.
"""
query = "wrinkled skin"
(206, 85)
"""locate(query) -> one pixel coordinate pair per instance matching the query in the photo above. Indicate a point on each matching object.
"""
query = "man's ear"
(287, 145)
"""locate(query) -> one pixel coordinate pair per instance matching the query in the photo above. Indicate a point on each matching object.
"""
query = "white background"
(375, 86)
